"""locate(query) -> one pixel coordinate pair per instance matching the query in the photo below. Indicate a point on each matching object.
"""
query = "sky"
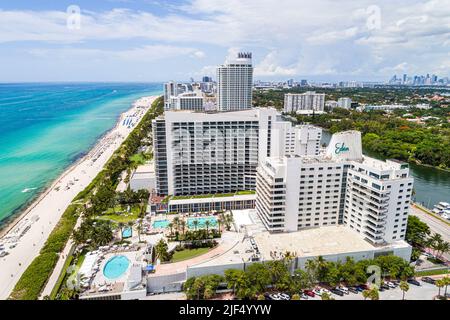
(156, 40)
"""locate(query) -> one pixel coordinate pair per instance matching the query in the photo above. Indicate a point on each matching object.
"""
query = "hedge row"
(34, 278)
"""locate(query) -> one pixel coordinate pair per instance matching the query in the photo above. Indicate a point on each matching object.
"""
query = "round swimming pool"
(116, 267)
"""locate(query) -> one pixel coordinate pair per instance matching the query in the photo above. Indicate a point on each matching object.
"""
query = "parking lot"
(425, 292)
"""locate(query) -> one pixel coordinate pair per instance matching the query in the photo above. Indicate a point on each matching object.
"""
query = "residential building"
(340, 186)
(309, 100)
(345, 103)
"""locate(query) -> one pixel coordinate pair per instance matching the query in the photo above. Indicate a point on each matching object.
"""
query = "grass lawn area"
(245, 192)
(122, 217)
(432, 272)
(138, 158)
(188, 254)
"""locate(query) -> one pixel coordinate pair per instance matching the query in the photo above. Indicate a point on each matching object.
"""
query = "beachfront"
(26, 236)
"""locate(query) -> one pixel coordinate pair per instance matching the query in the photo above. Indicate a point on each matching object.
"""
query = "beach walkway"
(45, 213)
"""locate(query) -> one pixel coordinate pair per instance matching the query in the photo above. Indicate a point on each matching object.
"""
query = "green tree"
(259, 275)
(416, 231)
(295, 296)
(326, 296)
(161, 250)
(440, 284)
(404, 287)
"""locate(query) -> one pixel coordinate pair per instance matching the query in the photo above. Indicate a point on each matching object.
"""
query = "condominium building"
(218, 152)
(234, 83)
(309, 100)
(345, 103)
(170, 90)
(340, 186)
(187, 101)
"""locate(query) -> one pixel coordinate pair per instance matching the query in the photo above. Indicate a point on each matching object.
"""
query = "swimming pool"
(202, 222)
(127, 232)
(116, 267)
(160, 224)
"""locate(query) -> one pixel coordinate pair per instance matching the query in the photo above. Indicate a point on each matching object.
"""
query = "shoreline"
(15, 218)
(26, 234)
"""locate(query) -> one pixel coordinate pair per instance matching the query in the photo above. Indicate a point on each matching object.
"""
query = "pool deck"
(179, 267)
(100, 279)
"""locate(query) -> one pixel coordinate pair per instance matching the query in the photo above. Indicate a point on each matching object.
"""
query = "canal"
(431, 185)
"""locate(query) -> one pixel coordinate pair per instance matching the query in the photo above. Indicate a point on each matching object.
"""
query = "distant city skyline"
(155, 41)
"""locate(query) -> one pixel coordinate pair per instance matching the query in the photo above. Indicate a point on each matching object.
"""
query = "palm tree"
(121, 225)
(195, 222)
(404, 287)
(170, 225)
(176, 222)
(139, 229)
(434, 241)
(439, 283)
(442, 248)
(183, 226)
(207, 224)
(446, 281)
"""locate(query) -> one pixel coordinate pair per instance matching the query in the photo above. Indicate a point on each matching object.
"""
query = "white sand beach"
(26, 236)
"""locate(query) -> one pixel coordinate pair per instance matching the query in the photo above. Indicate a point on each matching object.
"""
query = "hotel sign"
(340, 148)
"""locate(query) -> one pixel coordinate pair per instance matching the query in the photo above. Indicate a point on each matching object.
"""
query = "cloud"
(288, 38)
(147, 53)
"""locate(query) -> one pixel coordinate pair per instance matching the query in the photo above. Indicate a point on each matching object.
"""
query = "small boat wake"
(28, 190)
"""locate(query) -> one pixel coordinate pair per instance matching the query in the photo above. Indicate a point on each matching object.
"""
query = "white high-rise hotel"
(207, 153)
(234, 83)
(298, 185)
(339, 187)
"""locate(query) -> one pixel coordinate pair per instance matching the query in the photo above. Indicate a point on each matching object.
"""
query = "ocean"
(44, 128)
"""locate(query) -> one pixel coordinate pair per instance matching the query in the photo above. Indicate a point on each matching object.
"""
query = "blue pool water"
(202, 222)
(160, 224)
(127, 232)
(116, 267)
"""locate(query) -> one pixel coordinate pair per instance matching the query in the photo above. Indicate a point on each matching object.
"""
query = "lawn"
(121, 217)
(138, 158)
(188, 254)
(432, 272)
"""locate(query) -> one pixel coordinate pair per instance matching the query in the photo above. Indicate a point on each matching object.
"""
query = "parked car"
(337, 292)
(390, 284)
(284, 296)
(267, 296)
(364, 286)
(317, 291)
(353, 290)
(414, 282)
(304, 296)
(384, 286)
(359, 289)
(428, 280)
(309, 293)
(275, 296)
(344, 289)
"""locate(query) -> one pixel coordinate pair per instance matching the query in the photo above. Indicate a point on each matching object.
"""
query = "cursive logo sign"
(340, 147)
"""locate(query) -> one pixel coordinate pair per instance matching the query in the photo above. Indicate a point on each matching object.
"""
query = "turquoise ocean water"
(44, 128)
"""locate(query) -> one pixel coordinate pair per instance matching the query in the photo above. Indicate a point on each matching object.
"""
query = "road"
(436, 225)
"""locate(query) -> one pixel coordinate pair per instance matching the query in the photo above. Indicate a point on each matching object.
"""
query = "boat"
(441, 207)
